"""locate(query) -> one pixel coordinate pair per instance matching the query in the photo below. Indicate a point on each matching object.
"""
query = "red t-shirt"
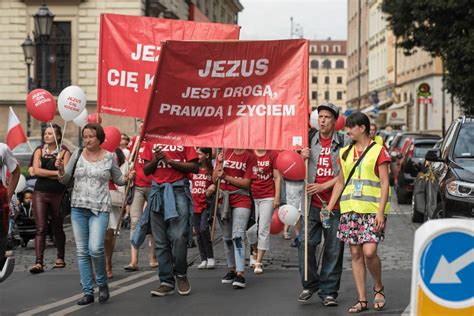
(141, 180)
(164, 173)
(199, 183)
(324, 173)
(238, 166)
(263, 186)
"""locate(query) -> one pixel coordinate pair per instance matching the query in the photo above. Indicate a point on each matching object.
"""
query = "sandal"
(59, 264)
(286, 236)
(358, 307)
(379, 301)
(37, 268)
(258, 268)
(131, 268)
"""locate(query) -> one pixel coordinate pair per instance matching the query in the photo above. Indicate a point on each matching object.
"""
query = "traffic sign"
(443, 268)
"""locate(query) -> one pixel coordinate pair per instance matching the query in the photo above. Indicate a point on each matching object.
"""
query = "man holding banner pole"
(169, 206)
(322, 168)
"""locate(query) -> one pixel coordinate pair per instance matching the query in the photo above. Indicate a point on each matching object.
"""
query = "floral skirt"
(356, 229)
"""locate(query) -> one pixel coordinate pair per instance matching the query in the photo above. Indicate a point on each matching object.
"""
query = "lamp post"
(28, 51)
(43, 25)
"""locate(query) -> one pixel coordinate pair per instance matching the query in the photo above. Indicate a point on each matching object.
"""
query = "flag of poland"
(15, 133)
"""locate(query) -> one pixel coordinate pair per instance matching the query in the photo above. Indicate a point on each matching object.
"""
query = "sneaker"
(329, 301)
(258, 268)
(239, 282)
(229, 277)
(252, 261)
(295, 243)
(182, 282)
(305, 295)
(163, 290)
(211, 263)
(202, 265)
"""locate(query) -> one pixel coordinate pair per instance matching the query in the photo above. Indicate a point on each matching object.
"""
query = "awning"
(397, 106)
(385, 103)
(368, 109)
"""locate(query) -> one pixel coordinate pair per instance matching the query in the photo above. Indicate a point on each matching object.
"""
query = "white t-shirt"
(7, 160)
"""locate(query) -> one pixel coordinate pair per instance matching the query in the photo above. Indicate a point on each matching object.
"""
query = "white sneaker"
(203, 265)
(258, 268)
(252, 261)
(211, 263)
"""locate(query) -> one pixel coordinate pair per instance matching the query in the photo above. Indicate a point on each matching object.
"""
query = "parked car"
(388, 136)
(396, 147)
(23, 152)
(410, 164)
(446, 189)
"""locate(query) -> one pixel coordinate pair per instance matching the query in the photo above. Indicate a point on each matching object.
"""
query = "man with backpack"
(322, 171)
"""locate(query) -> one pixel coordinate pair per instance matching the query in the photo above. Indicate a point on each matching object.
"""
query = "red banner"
(129, 50)
(241, 94)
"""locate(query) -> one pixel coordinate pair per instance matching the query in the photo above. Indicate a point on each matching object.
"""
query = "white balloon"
(288, 214)
(81, 120)
(21, 184)
(313, 119)
(71, 102)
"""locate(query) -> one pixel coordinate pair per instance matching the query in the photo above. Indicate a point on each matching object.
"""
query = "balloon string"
(62, 138)
(54, 135)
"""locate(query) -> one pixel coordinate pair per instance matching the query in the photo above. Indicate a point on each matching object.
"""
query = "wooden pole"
(216, 203)
(305, 192)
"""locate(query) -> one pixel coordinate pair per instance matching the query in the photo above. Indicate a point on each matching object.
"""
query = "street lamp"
(29, 52)
(43, 24)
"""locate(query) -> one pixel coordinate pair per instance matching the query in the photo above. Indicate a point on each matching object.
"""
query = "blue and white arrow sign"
(447, 267)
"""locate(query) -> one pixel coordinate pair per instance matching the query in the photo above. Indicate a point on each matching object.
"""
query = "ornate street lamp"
(43, 24)
(29, 52)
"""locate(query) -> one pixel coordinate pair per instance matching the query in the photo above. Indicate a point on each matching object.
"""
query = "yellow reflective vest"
(369, 200)
(378, 139)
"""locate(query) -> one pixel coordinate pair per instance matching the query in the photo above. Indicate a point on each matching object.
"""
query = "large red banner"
(128, 55)
(239, 94)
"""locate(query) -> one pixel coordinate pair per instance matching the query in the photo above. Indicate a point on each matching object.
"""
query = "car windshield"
(464, 147)
(421, 149)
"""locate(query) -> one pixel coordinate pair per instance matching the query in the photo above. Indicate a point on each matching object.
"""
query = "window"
(336, 49)
(326, 64)
(339, 80)
(314, 80)
(58, 54)
(326, 95)
(326, 80)
(325, 49)
(313, 48)
(464, 147)
(339, 95)
(339, 64)
(314, 64)
(314, 95)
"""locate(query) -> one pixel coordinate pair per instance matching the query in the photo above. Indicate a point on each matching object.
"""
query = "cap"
(331, 108)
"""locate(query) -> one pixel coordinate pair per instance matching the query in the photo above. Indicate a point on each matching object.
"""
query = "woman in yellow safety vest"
(364, 206)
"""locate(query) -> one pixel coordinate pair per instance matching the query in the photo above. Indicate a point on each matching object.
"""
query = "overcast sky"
(270, 19)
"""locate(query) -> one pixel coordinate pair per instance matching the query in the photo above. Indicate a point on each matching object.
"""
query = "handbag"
(66, 200)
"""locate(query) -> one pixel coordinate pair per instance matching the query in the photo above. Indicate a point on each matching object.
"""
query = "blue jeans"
(89, 232)
(171, 239)
(233, 234)
(329, 280)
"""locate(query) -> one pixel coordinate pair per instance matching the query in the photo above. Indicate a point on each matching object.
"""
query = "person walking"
(322, 175)
(266, 196)
(364, 185)
(47, 196)
(373, 134)
(91, 169)
(202, 190)
(141, 192)
(7, 189)
(169, 210)
(235, 170)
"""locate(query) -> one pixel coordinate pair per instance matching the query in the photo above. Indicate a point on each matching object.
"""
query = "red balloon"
(92, 118)
(41, 105)
(291, 165)
(340, 123)
(112, 138)
(277, 226)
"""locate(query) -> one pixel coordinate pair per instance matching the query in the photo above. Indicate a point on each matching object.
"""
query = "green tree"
(444, 28)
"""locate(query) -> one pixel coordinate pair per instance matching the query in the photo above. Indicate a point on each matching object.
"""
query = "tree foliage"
(444, 28)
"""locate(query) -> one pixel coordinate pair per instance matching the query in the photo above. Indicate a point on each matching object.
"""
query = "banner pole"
(306, 223)
(216, 203)
(133, 158)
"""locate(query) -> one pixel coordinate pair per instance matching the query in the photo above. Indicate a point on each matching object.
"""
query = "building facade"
(357, 54)
(74, 45)
(327, 73)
